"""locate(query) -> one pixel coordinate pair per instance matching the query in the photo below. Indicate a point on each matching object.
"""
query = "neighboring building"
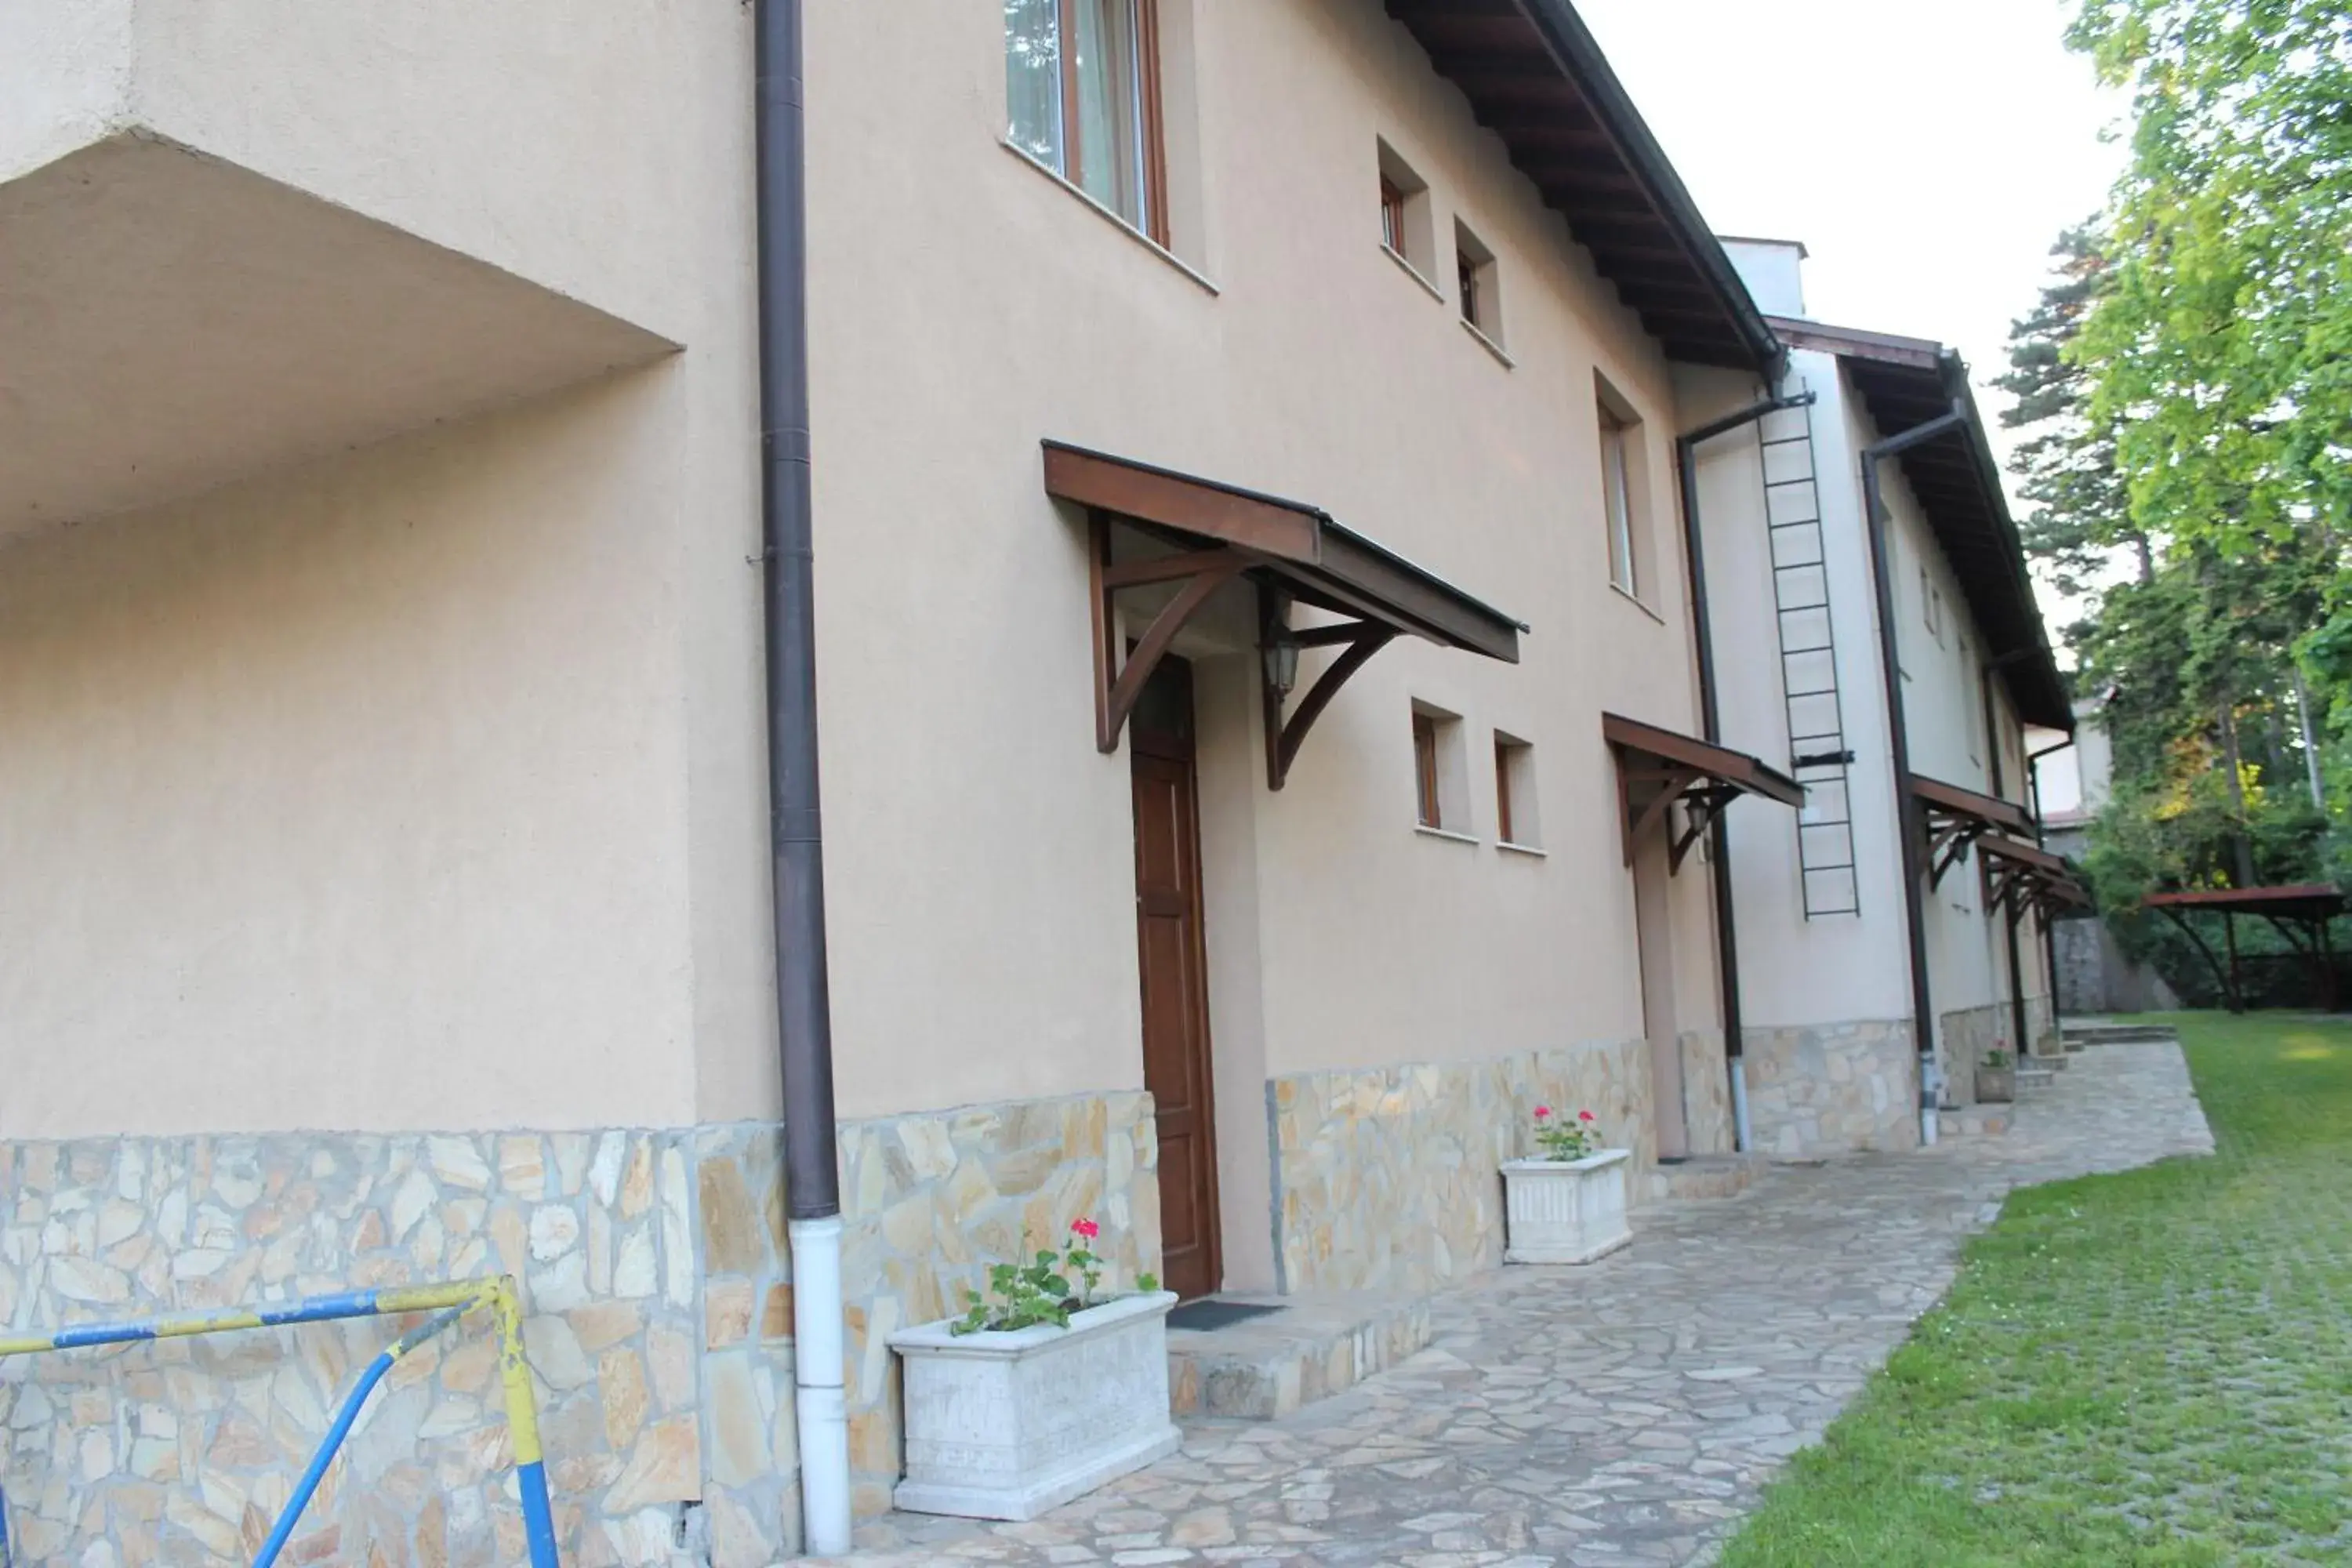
(2096, 976)
(1830, 1000)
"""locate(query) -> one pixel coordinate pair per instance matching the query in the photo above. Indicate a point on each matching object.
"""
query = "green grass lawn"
(2154, 1367)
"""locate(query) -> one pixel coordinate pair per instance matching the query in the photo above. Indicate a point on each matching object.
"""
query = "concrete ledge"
(1318, 1343)
(1702, 1176)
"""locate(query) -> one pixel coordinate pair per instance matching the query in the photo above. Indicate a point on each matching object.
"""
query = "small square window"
(1440, 774)
(1480, 289)
(1515, 822)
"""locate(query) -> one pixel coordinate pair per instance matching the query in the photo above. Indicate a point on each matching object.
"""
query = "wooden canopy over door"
(1658, 768)
(1154, 527)
(1955, 818)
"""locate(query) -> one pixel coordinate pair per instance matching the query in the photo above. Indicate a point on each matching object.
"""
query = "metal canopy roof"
(2301, 900)
(1906, 381)
(1535, 77)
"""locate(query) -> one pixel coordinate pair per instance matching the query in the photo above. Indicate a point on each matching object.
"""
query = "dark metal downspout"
(1727, 936)
(795, 822)
(2009, 922)
(1906, 808)
(2041, 841)
(803, 1012)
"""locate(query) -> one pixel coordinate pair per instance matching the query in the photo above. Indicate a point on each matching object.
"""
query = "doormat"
(1209, 1313)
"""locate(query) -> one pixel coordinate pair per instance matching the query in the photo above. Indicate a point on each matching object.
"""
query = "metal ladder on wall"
(1819, 755)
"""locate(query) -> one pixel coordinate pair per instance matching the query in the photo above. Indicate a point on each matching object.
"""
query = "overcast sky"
(1926, 152)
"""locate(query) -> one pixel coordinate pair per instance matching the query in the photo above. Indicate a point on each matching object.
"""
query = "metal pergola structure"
(2300, 913)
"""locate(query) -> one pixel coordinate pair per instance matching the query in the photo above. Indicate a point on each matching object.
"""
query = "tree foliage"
(2184, 390)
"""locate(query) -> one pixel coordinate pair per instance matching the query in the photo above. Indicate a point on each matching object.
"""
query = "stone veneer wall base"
(1832, 1089)
(657, 1293)
(1388, 1178)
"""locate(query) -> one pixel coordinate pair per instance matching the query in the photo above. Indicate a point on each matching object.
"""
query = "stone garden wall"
(656, 1286)
(1388, 1179)
(1832, 1089)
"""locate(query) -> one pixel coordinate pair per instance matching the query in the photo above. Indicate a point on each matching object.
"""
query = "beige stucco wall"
(982, 937)
(354, 797)
(570, 581)
(421, 786)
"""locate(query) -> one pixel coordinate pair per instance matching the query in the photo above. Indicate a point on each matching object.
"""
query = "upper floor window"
(1405, 215)
(1623, 492)
(1082, 84)
(1480, 289)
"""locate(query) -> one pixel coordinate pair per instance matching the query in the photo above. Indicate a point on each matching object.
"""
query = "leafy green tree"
(2220, 346)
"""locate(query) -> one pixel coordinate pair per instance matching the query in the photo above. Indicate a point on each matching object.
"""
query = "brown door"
(1175, 987)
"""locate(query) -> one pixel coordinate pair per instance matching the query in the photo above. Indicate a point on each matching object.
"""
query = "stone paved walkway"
(1620, 1414)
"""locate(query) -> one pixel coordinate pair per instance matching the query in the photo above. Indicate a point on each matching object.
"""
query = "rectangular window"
(1514, 792)
(1404, 213)
(1425, 770)
(1617, 496)
(1441, 772)
(1480, 290)
(1082, 87)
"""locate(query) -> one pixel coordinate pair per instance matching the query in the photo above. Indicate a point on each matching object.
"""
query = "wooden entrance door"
(1175, 978)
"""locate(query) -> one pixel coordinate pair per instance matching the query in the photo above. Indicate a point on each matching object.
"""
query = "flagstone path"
(1621, 1414)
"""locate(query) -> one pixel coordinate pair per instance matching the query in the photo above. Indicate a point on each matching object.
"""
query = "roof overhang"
(1211, 534)
(1658, 768)
(1536, 78)
(1906, 381)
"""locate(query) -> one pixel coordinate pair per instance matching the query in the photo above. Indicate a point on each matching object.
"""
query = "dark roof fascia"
(1580, 57)
(2031, 672)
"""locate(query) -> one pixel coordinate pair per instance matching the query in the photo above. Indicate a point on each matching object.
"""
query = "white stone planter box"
(1006, 1425)
(1565, 1211)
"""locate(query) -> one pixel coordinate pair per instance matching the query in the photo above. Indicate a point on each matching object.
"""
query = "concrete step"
(1973, 1121)
(2034, 1079)
(1312, 1345)
(1700, 1176)
(2081, 1035)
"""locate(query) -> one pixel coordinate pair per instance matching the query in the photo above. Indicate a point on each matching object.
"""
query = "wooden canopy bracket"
(1948, 841)
(1671, 782)
(1358, 642)
(1118, 684)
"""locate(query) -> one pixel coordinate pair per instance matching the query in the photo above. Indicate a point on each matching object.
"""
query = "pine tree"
(2081, 512)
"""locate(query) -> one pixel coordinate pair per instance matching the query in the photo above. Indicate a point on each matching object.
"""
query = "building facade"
(1263, 734)
(1832, 1026)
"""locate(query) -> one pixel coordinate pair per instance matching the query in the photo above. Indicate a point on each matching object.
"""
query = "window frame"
(1147, 112)
(1617, 500)
(1393, 200)
(1429, 802)
(1517, 802)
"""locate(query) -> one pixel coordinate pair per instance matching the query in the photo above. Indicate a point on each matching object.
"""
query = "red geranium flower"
(1584, 1116)
(1542, 1111)
(1086, 1228)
